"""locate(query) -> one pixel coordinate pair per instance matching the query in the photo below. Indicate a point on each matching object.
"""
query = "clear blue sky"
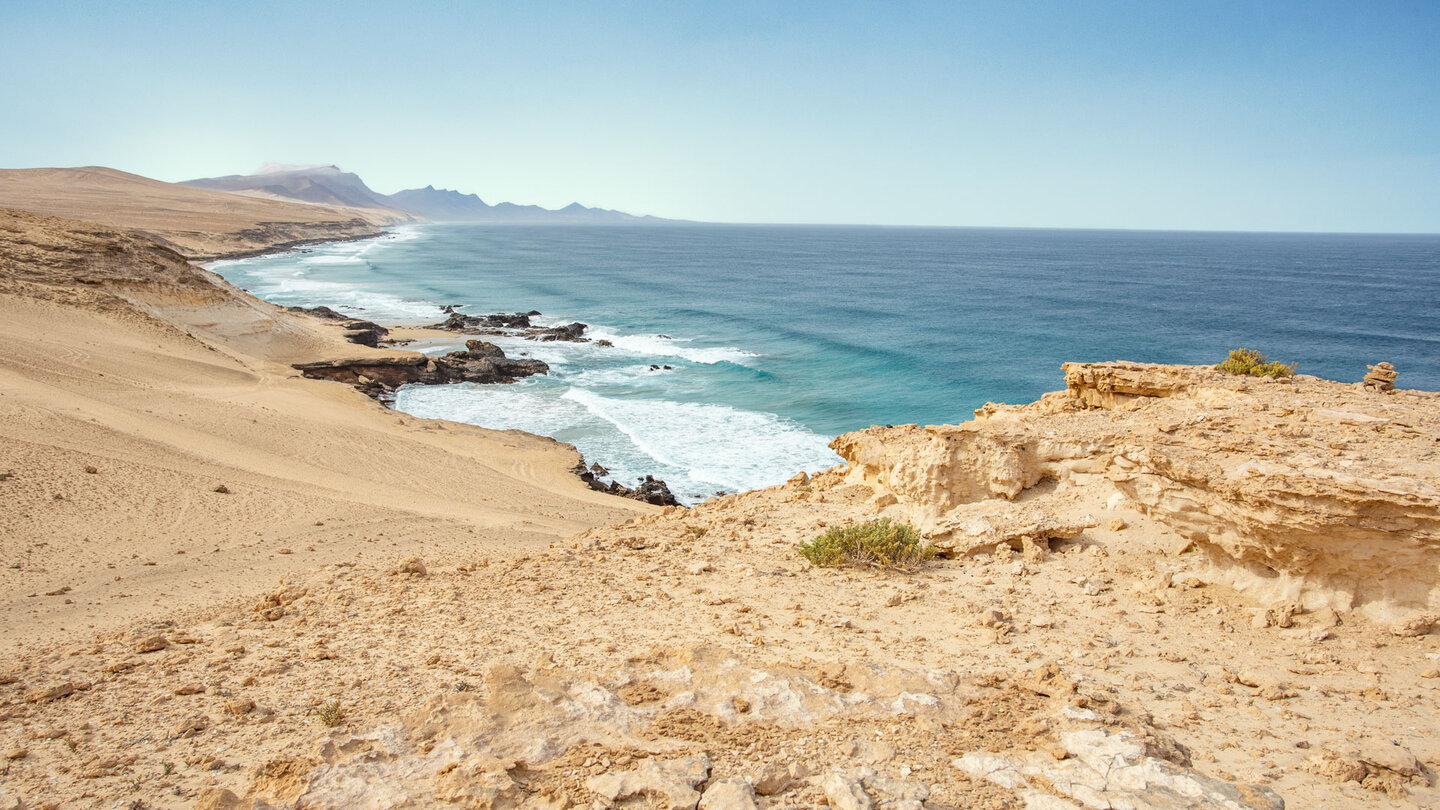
(1252, 115)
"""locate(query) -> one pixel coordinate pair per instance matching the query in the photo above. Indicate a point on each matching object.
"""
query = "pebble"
(150, 643)
(733, 793)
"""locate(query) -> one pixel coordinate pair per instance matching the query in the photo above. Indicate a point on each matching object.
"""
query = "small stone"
(151, 643)
(897, 790)
(190, 726)
(219, 799)
(47, 694)
(222, 489)
(1415, 625)
(1391, 757)
(412, 566)
(16, 753)
(91, 469)
(1277, 691)
(732, 793)
(239, 706)
(845, 793)
(1118, 524)
(189, 689)
(699, 567)
(770, 779)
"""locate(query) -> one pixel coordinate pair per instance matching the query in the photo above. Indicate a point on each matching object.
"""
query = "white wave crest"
(663, 346)
(718, 445)
(696, 448)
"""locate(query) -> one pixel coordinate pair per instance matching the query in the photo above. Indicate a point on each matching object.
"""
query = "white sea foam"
(664, 346)
(714, 445)
(696, 448)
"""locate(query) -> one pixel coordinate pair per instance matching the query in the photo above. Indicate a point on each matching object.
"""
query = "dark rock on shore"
(320, 312)
(365, 333)
(479, 348)
(650, 489)
(481, 362)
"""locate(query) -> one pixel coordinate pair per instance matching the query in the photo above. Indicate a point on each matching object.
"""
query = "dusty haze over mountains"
(331, 186)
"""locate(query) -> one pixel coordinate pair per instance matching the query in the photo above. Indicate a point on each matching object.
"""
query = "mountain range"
(329, 185)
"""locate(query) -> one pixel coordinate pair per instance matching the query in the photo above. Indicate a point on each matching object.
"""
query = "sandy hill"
(199, 223)
(120, 357)
(231, 587)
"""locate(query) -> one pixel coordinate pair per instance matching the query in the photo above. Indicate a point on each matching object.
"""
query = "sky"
(1255, 115)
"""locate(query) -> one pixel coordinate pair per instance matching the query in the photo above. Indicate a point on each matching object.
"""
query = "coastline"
(146, 324)
(286, 247)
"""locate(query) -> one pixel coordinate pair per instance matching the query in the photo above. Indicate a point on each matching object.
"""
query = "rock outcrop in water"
(1298, 490)
(481, 362)
(510, 325)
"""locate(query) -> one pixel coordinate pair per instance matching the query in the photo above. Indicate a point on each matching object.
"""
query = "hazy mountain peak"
(281, 168)
(331, 185)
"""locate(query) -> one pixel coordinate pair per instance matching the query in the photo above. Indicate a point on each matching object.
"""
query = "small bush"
(1255, 364)
(879, 543)
(331, 714)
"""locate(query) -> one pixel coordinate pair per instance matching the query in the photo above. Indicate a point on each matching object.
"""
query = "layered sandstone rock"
(1302, 490)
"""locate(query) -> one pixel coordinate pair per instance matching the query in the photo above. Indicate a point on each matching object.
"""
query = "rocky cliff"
(1298, 490)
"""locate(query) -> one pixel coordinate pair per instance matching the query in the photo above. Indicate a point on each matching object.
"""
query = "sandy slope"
(199, 223)
(166, 413)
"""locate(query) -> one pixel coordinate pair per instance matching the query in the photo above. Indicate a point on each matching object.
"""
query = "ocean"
(740, 351)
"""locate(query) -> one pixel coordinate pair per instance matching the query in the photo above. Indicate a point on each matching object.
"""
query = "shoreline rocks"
(361, 332)
(650, 489)
(480, 362)
(504, 324)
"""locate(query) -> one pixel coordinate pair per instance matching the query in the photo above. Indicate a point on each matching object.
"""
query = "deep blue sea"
(780, 337)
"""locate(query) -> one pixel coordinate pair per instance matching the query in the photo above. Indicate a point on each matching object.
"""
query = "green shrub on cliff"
(1255, 364)
(879, 543)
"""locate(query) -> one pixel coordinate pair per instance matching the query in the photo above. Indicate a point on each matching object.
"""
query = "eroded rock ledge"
(1299, 490)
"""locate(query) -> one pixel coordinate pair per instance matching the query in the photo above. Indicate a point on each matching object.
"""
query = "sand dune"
(169, 383)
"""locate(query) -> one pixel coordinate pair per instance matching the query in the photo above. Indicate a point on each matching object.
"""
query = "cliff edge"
(1301, 490)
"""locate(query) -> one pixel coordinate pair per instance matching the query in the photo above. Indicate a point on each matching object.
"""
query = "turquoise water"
(780, 337)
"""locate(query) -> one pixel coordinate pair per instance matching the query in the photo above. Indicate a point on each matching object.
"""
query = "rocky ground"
(1101, 632)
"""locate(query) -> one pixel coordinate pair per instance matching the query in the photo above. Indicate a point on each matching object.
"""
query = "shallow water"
(780, 337)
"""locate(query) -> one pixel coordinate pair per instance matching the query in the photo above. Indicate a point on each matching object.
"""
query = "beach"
(227, 585)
